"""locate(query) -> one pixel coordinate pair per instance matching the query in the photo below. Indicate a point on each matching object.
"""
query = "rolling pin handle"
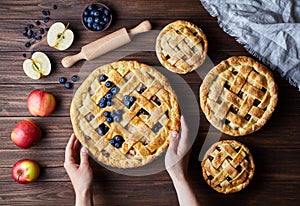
(68, 61)
(142, 27)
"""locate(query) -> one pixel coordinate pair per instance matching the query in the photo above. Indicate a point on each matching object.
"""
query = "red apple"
(40, 103)
(26, 134)
(25, 171)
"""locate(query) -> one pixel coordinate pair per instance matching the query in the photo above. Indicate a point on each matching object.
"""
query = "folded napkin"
(268, 29)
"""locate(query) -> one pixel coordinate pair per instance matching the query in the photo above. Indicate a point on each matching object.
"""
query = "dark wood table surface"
(276, 147)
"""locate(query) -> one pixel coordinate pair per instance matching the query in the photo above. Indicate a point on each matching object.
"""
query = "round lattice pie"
(124, 113)
(228, 166)
(181, 47)
(238, 96)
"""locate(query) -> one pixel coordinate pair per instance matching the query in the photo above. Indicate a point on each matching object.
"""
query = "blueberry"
(108, 84)
(106, 114)
(132, 99)
(42, 31)
(117, 118)
(54, 7)
(118, 112)
(89, 19)
(100, 131)
(127, 103)
(85, 19)
(109, 95)
(112, 141)
(86, 13)
(117, 145)
(38, 37)
(92, 13)
(24, 55)
(106, 12)
(68, 85)
(62, 80)
(102, 104)
(47, 29)
(118, 138)
(96, 20)
(30, 26)
(74, 78)
(90, 7)
(109, 103)
(99, 28)
(96, 13)
(38, 23)
(46, 20)
(27, 44)
(126, 98)
(44, 12)
(103, 99)
(102, 78)
(114, 90)
(89, 25)
(95, 25)
(100, 9)
(109, 119)
(105, 19)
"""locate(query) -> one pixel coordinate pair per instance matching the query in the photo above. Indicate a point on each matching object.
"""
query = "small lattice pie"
(228, 166)
(238, 96)
(124, 113)
(181, 47)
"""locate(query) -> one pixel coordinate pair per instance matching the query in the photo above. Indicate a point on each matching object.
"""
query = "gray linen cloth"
(268, 29)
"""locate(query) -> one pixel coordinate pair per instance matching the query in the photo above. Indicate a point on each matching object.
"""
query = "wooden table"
(276, 147)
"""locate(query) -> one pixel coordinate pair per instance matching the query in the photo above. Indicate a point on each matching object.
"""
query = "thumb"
(84, 156)
(173, 143)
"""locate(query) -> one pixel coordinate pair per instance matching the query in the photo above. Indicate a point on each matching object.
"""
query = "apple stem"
(19, 174)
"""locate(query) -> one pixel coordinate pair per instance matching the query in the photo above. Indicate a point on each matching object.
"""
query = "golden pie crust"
(181, 47)
(238, 96)
(228, 166)
(145, 126)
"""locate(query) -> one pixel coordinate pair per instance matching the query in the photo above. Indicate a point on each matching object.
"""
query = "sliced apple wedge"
(37, 66)
(59, 36)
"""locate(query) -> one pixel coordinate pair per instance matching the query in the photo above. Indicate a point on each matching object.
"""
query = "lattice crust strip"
(145, 126)
(181, 47)
(238, 96)
(228, 166)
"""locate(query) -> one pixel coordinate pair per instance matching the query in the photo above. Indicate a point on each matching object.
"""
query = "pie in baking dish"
(228, 166)
(181, 47)
(238, 96)
(124, 113)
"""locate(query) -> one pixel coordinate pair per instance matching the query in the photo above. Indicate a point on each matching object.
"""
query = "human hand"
(177, 156)
(79, 170)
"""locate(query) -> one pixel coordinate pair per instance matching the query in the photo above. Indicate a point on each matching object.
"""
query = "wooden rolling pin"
(106, 44)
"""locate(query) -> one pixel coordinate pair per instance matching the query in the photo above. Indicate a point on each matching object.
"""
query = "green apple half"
(37, 66)
(59, 36)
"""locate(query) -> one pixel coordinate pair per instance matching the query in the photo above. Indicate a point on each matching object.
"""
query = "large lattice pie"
(124, 113)
(228, 166)
(238, 96)
(181, 47)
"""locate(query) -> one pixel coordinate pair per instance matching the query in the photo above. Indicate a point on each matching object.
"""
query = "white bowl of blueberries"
(96, 17)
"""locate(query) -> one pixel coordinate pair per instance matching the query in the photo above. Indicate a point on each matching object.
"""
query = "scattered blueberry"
(127, 103)
(38, 23)
(68, 85)
(103, 78)
(108, 84)
(109, 119)
(46, 20)
(44, 12)
(126, 98)
(30, 26)
(100, 131)
(27, 44)
(46, 29)
(42, 31)
(24, 55)
(62, 80)
(118, 138)
(74, 78)
(54, 7)
(38, 37)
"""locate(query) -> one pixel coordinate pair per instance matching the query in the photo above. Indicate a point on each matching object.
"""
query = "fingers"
(184, 137)
(69, 157)
(174, 140)
(84, 156)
